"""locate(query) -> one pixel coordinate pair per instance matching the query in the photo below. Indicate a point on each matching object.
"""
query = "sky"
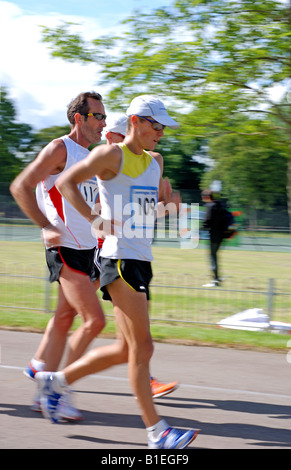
(41, 87)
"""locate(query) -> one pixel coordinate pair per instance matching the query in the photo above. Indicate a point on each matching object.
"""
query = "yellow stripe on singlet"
(120, 274)
(134, 165)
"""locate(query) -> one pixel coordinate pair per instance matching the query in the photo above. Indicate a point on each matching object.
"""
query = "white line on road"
(196, 387)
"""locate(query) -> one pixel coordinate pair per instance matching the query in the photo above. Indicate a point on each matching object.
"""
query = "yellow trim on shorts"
(120, 274)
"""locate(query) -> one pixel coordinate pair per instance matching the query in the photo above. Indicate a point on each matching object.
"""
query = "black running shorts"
(81, 261)
(137, 274)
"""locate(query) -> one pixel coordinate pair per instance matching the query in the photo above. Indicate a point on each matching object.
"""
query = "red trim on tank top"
(57, 200)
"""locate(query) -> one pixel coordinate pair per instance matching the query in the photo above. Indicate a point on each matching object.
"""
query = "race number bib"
(143, 200)
(89, 190)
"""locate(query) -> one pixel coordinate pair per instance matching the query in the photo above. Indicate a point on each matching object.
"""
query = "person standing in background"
(213, 223)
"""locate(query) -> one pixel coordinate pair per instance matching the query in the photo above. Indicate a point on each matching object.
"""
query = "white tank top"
(75, 229)
(129, 198)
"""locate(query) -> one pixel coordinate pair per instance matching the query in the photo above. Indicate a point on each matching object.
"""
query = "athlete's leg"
(80, 293)
(52, 345)
(96, 360)
(131, 312)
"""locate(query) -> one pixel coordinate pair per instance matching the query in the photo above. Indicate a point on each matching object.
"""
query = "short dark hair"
(80, 105)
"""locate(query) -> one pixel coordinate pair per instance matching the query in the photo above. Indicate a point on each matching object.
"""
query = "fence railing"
(185, 301)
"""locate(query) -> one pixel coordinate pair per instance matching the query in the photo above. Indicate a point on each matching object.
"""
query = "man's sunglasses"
(98, 116)
(155, 125)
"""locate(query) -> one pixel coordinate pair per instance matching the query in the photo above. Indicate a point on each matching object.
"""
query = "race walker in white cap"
(131, 174)
(148, 105)
(115, 133)
(116, 130)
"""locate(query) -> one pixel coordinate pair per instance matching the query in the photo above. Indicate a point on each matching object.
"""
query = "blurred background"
(223, 70)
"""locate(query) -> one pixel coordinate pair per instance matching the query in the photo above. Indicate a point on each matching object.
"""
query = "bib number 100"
(147, 206)
(143, 200)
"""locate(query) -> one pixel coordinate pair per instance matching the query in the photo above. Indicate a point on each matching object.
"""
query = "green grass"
(243, 270)
(166, 332)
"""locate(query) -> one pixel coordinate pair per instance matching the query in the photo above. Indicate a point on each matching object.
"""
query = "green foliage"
(15, 141)
(213, 57)
(66, 44)
(180, 167)
(251, 164)
(212, 62)
(44, 136)
(209, 59)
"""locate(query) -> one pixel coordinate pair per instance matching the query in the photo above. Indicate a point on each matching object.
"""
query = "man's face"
(91, 128)
(150, 137)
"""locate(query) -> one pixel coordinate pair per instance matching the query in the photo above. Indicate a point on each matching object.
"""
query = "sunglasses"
(98, 116)
(155, 125)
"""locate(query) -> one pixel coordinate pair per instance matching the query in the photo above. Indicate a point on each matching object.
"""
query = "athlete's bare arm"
(103, 161)
(51, 160)
(166, 194)
(158, 157)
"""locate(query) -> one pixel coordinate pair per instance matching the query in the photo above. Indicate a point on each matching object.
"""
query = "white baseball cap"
(118, 125)
(148, 105)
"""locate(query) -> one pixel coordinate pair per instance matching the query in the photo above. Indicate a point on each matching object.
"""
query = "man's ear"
(109, 137)
(78, 118)
(134, 120)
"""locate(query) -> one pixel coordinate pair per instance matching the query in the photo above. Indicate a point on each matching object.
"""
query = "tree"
(44, 136)
(180, 166)
(253, 172)
(15, 142)
(211, 59)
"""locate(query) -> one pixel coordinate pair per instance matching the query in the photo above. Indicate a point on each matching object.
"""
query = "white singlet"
(130, 198)
(75, 229)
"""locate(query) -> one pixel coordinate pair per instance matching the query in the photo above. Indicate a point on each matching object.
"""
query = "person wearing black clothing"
(213, 223)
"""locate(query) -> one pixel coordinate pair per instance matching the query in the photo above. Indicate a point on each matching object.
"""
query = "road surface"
(238, 399)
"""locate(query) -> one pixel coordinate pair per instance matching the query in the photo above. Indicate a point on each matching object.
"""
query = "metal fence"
(189, 302)
(210, 305)
(26, 289)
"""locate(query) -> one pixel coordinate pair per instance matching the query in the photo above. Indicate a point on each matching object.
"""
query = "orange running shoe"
(160, 389)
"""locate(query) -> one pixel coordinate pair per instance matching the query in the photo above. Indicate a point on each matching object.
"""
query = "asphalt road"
(238, 399)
